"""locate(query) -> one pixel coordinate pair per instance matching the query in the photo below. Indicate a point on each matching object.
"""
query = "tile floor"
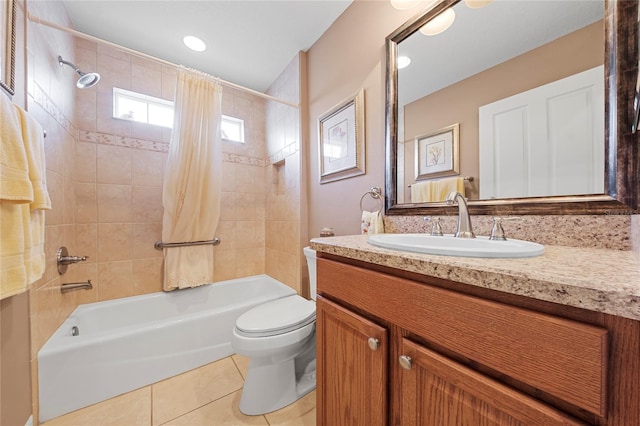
(206, 396)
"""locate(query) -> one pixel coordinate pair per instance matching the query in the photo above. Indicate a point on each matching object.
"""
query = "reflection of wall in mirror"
(460, 102)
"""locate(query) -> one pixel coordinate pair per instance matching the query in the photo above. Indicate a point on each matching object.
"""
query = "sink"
(449, 245)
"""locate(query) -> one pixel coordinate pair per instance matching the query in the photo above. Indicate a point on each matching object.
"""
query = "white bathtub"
(129, 343)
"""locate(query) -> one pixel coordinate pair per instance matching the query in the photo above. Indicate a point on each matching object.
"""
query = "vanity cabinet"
(404, 349)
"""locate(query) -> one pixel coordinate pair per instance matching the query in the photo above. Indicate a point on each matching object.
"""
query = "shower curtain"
(193, 180)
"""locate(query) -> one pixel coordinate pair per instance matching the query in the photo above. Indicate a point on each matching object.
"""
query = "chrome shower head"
(86, 80)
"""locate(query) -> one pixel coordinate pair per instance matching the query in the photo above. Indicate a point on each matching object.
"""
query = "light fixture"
(477, 4)
(403, 62)
(194, 43)
(405, 4)
(439, 24)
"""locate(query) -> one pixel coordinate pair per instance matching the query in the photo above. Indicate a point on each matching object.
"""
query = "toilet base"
(270, 386)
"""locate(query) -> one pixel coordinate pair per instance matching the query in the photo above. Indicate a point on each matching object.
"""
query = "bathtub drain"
(75, 330)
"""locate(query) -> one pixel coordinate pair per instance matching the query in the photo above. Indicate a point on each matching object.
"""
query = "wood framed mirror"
(618, 182)
(8, 45)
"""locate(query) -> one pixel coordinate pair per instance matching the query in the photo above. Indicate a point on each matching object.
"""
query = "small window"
(134, 106)
(232, 129)
(141, 108)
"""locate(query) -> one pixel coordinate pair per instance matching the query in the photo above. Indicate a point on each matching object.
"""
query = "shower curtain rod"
(144, 55)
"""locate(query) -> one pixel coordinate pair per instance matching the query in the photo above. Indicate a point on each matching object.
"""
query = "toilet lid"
(277, 317)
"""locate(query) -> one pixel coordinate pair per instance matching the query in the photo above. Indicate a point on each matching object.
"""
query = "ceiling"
(248, 42)
(482, 38)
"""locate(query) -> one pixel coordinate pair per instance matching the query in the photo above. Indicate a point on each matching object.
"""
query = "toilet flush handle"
(374, 343)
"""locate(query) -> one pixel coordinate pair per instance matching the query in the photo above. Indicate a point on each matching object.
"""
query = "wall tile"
(115, 280)
(114, 203)
(147, 167)
(86, 162)
(144, 237)
(113, 164)
(114, 241)
(147, 204)
(147, 275)
(86, 203)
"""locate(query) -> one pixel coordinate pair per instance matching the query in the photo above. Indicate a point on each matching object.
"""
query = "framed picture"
(8, 45)
(341, 140)
(437, 153)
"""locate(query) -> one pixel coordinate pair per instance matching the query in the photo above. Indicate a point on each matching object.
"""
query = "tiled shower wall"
(283, 172)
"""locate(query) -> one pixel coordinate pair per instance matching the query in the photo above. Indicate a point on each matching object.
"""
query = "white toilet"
(279, 337)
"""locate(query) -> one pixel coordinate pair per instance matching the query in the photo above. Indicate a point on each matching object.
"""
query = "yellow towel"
(33, 139)
(436, 190)
(371, 223)
(421, 192)
(14, 167)
(22, 257)
(447, 185)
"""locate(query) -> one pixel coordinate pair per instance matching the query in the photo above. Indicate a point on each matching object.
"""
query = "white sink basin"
(449, 245)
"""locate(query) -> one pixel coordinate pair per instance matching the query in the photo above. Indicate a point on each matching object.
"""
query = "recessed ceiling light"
(403, 62)
(194, 43)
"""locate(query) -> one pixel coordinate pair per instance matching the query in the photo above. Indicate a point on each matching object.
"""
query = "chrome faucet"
(465, 230)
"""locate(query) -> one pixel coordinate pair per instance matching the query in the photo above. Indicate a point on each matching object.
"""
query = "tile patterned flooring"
(206, 396)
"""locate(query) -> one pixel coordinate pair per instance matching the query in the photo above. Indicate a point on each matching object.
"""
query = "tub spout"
(76, 286)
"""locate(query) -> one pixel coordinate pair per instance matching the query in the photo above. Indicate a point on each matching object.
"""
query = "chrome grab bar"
(159, 245)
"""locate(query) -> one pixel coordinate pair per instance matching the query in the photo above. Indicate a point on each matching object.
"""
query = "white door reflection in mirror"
(545, 141)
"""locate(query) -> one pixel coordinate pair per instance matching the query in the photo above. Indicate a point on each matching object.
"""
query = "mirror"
(8, 46)
(463, 80)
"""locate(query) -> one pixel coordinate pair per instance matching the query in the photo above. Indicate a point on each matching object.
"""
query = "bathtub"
(124, 344)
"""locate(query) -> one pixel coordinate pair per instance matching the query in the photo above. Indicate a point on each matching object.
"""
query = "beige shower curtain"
(193, 181)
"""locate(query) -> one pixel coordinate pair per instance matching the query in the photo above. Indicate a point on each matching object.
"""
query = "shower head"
(86, 80)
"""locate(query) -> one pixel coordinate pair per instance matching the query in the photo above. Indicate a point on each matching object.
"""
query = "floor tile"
(193, 389)
(242, 362)
(300, 413)
(223, 412)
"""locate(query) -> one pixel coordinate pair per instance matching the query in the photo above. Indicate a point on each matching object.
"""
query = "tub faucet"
(465, 230)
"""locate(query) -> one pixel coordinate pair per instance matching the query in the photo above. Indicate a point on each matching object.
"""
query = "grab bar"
(64, 288)
(159, 245)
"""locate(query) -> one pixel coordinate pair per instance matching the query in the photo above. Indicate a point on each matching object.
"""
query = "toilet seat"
(277, 317)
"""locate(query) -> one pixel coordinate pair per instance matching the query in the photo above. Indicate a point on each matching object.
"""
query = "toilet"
(279, 337)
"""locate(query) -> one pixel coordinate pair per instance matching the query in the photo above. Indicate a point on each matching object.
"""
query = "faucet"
(465, 230)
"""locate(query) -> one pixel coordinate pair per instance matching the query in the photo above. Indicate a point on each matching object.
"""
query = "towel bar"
(466, 179)
(159, 245)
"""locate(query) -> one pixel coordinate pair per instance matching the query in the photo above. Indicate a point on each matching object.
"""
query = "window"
(232, 129)
(141, 108)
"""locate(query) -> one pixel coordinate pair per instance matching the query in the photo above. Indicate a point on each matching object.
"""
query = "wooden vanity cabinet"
(393, 350)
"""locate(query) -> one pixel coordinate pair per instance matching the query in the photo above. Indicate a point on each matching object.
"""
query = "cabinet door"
(351, 367)
(437, 391)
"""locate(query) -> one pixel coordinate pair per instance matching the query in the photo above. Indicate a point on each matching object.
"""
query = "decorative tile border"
(123, 141)
(41, 98)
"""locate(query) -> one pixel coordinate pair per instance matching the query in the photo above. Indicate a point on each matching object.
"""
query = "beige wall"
(348, 57)
(459, 103)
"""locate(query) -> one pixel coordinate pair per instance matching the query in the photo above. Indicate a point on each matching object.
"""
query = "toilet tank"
(310, 254)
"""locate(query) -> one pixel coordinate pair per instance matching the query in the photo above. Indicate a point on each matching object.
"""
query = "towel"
(22, 258)
(436, 190)
(14, 167)
(372, 223)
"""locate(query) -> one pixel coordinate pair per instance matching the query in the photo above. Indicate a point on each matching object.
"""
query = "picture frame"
(341, 140)
(437, 153)
(8, 46)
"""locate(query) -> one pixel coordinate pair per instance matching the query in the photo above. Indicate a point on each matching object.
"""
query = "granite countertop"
(595, 279)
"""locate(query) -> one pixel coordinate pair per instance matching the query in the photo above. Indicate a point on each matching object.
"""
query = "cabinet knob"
(405, 362)
(374, 343)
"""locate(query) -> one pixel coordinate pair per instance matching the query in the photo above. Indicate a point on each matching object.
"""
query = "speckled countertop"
(600, 280)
